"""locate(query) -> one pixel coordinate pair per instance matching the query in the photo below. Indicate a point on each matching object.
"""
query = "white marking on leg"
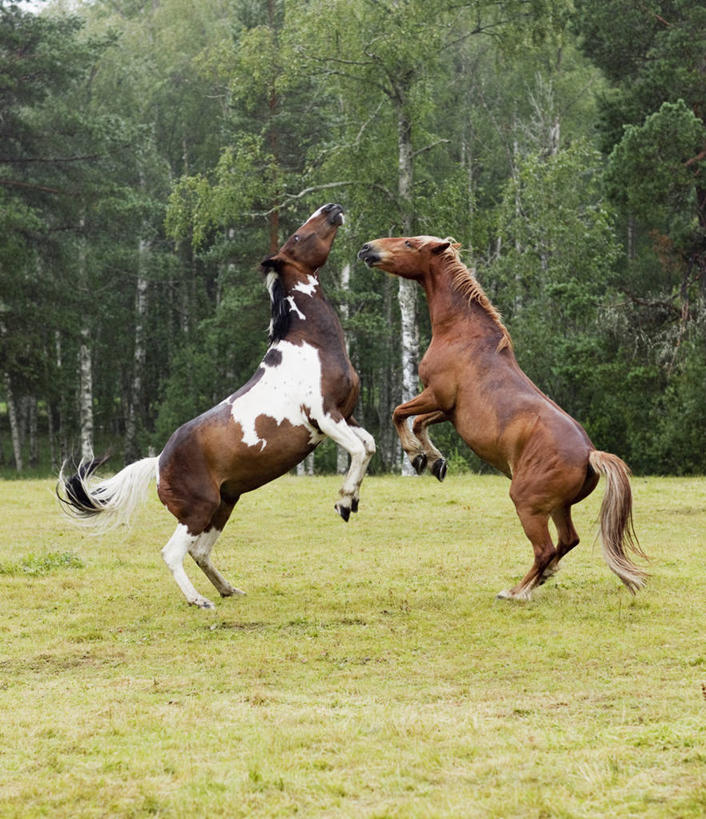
(343, 435)
(369, 444)
(174, 553)
(200, 550)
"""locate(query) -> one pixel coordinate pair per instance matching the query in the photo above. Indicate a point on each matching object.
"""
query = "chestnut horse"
(304, 390)
(472, 379)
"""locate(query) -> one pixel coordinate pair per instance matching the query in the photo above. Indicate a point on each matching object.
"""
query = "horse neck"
(302, 295)
(450, 305)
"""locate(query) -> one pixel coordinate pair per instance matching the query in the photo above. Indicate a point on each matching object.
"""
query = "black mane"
(281, 316)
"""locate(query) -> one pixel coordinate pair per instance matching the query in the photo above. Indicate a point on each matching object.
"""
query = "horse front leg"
(423, 404)
(360, 445)
(436, 463)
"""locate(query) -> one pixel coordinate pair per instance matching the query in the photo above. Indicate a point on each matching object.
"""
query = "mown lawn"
(369, 672)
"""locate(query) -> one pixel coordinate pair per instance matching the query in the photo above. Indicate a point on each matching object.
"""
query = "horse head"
(409, 257)
(307, 249)
(294, 266)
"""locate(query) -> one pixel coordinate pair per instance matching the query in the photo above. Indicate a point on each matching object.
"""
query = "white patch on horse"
(270, 280)
(290, 392)
(308, 287)
(294, 309)
(316, 213)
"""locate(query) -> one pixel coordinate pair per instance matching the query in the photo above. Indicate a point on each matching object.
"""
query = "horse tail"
(105, 504)
(616, 526)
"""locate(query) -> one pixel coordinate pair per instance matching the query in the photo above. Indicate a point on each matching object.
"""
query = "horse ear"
(440, 247)
(272, 263)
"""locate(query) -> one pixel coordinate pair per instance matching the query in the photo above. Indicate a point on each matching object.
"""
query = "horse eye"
(296, 237)
(408, 244)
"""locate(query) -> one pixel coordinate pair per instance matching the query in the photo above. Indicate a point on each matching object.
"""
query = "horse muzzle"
(334, 214)
(369, 255)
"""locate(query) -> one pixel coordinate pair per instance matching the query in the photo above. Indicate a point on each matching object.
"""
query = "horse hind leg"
(536, 528)
(174, 553)
(200, 550)
(567, 539)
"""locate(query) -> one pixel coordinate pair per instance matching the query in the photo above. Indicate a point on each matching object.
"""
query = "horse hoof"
(202, 603)
(419, 463)
(230, 591)
(343, 511)
(508, 594)
(354, 505)
(438, 469)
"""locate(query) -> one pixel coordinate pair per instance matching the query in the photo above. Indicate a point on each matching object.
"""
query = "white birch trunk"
(407, 293)
(85, 371)
(85, 364)
(32, 429)
(139, 356)
(341, 455)
(306, 467)
(14, 422)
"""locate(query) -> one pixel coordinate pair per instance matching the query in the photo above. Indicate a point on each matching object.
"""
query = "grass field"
(369, 672)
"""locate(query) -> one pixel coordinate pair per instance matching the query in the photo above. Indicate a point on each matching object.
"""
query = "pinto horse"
(304, 390)
(472, 379)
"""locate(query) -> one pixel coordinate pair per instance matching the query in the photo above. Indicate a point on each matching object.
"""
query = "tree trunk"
(388, 442)
(32, 429)
(14, 424)
(342, 455)
(407, 292)
(85, 363)
(139, 356)
(306, 467)
(51, 433)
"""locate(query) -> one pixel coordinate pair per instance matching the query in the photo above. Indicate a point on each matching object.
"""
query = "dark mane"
(280, 313)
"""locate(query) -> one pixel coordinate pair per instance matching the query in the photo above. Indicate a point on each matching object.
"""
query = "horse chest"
(290, 389)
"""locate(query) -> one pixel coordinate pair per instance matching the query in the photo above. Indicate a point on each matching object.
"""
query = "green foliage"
(173, 144)
(653, 173)
(558, 255)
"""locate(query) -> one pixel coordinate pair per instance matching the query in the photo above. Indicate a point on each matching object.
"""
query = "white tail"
(102, 505)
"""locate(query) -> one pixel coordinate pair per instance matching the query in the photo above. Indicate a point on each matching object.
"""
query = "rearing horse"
(304, 390)
(472, 379)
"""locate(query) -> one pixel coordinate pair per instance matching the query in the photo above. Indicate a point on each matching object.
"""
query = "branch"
(696, 158)
(7, 161)
(292, 197)
(16, 184)
(288, 198)
(429, 147)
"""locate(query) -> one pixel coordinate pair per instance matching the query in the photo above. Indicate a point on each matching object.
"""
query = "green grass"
(369, 672)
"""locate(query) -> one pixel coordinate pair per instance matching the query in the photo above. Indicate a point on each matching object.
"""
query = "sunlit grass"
(370, 671)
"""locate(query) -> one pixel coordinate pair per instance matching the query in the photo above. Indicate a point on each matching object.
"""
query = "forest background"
(152, 152)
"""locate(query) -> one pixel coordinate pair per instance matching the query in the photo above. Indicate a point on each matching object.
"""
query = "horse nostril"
(364, 248)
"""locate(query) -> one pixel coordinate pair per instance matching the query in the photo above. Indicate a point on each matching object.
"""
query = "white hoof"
(202, 602)
(508, 594)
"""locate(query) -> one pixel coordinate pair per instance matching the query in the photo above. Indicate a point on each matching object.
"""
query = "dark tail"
(616, 527)
(107, 503)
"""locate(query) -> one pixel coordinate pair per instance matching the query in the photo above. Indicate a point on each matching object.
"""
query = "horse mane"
(279, 308)
(465, 282)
